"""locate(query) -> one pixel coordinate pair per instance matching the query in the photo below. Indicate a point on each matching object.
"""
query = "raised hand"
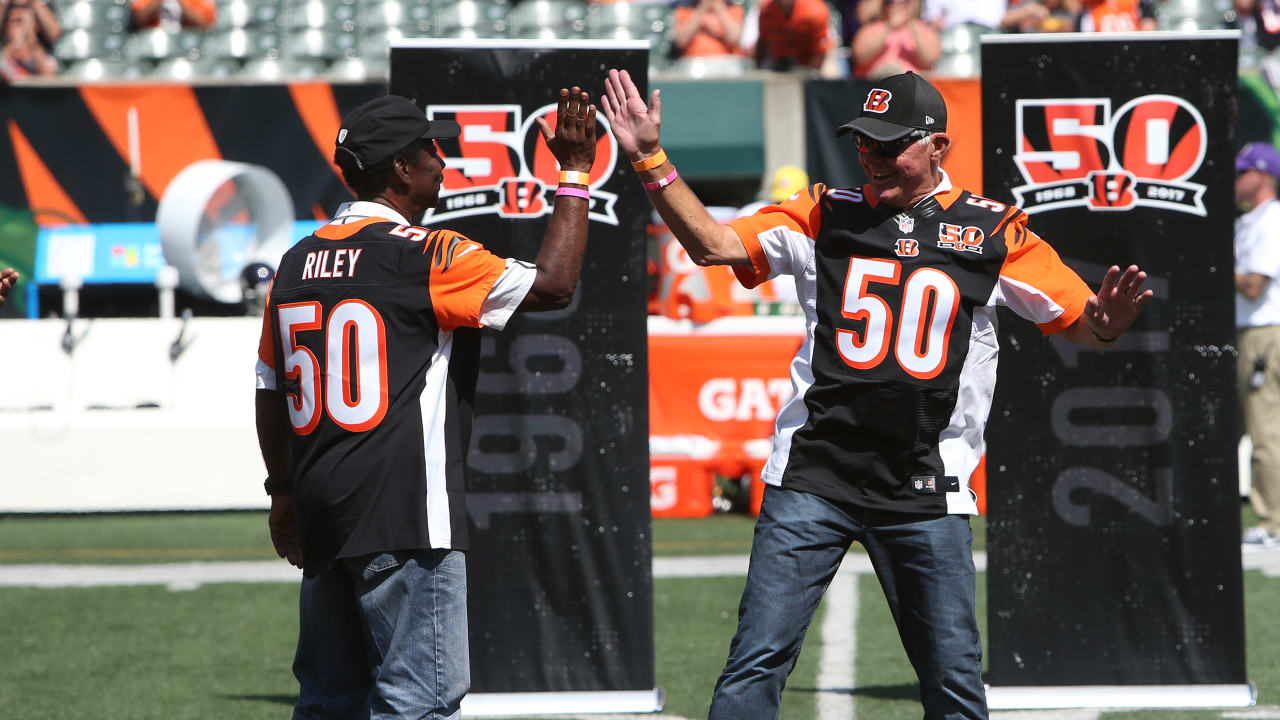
(635, 125)
(574, 141)
(8, 278)
(1118, 302)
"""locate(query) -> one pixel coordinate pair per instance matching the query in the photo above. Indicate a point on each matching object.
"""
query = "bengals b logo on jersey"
(1074, 152)
(877, 101)
(906, 247)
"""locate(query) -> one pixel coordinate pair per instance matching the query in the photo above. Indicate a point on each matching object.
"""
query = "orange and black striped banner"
(103, 153)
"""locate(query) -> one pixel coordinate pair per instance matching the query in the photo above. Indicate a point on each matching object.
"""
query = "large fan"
(218, 217)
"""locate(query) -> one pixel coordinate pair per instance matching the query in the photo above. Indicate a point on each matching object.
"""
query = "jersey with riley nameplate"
(373, 326)
(893, 383)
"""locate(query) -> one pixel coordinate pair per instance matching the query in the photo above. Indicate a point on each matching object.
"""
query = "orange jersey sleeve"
(766, 233)
(1035, 282)
(462, 274)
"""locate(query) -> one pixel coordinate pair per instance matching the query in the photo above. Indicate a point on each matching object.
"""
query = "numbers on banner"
(1137, 418)
(1158, 511)
(930, 301)
(505, 444)
(353, 394)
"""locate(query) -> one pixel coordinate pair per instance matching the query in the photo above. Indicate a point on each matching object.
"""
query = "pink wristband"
(575, 192)
(659, 184)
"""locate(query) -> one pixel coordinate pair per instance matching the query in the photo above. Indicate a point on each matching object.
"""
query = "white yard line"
(838, 661)
(189, 575)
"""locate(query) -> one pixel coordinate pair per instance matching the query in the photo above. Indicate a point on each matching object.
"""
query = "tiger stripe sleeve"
(779, 238)
(1036, 284)
(462, 273)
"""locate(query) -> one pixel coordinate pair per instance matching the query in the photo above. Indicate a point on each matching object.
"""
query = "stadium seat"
(96, 15)
(244, 43)
(247, 13)
(713, 66)
(87, 44)
(320, 14)
(316, 44)
(958, 65)
(274, 69)
(1192, 15)
(358, 69)
(419, 14)
(96, 69)
(639, 20)
(961, 45)
(186, 69)
(470, 19)
(158, 44)
(549, 19)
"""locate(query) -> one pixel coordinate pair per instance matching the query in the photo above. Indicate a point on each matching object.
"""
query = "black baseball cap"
(383, 126)
(897, 105)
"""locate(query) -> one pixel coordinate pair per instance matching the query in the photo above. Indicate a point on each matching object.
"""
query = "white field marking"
(838, 661)
(1091, 714)
(189, 575)
(1262, 712)
(653, 716)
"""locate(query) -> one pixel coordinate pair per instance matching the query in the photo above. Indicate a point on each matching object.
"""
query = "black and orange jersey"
(893, 383)
(371, 336)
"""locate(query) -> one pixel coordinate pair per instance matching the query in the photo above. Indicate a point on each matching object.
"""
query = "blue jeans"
(384, 636)
(925, 566)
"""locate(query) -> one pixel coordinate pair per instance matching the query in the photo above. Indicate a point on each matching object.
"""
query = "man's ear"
(940, 143)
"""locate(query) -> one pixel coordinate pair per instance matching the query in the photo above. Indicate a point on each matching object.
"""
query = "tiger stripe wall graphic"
(104, 154)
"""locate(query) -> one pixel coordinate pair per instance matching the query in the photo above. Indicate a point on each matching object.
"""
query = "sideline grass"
(225, 650)
(183, 537)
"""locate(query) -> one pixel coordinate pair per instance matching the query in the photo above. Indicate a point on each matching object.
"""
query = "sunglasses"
(887, 148)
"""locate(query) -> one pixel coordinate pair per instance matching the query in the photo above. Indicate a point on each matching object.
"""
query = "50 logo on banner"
(1075, 153)
(500, 164)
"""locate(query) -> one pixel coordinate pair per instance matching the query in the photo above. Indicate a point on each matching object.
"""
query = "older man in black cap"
(366, 374)
(899, 280)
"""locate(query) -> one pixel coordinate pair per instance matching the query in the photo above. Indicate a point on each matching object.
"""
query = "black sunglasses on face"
(889, 148)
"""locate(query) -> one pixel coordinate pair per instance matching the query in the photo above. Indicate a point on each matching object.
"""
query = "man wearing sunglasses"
(899, 280)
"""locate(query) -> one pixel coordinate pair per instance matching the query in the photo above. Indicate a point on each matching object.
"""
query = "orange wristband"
(575, 177)
(650, 162)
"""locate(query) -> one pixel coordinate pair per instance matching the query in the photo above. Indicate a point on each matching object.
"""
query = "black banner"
(1114, 531)
(558, 490)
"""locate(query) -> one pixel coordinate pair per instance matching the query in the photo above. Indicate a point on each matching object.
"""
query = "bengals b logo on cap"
(877, 101)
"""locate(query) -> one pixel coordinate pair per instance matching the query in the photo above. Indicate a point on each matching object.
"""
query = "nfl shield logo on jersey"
(906, 223)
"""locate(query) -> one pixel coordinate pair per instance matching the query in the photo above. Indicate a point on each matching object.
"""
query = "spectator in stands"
(8, 278)
(28, 26)
(707, 28)
(174, 14)
(853, 15)
(792, 34)
(942, 14)
(1118, 15)
(48, 28)
(1041, 16)
(1265, 17)
(896, 42)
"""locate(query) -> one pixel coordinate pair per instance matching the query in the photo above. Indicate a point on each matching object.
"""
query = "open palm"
(634, 124)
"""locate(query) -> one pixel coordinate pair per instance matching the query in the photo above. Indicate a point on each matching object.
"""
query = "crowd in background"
(861, 38)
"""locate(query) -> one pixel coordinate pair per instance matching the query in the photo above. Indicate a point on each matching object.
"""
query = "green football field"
(223, 650)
